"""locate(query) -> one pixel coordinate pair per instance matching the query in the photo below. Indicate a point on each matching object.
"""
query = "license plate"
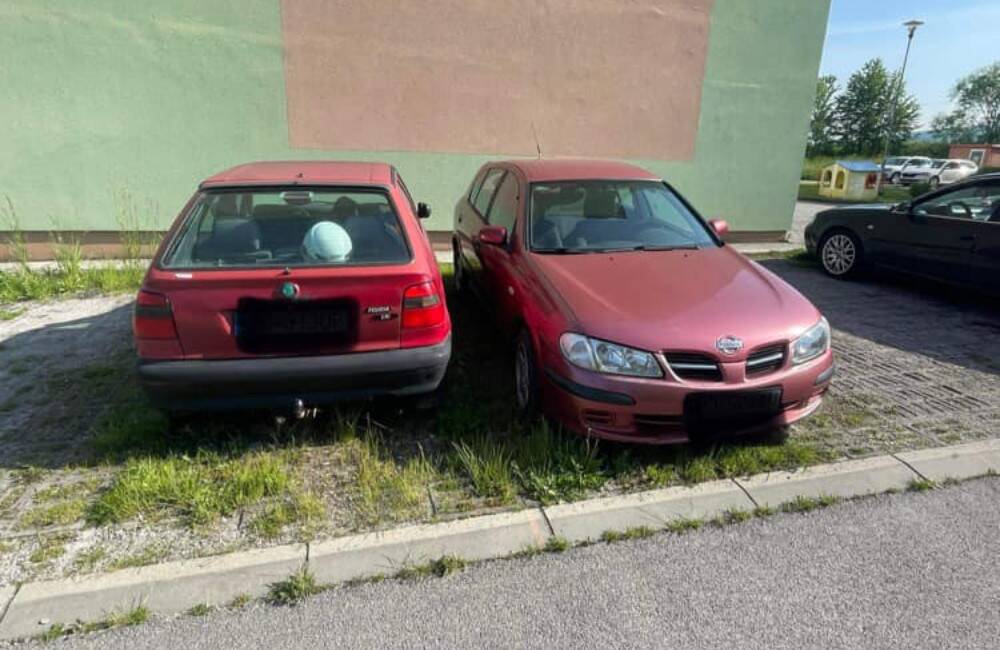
(287, 323)
(720, 405)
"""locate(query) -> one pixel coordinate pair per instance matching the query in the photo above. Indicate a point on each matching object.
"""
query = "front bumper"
(277, 382)
(652, 410)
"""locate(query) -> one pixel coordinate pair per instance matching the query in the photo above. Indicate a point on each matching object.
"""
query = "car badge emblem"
(289, 290)
(729, 344)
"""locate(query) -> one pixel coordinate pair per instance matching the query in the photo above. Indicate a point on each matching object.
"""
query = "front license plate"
(722, 405)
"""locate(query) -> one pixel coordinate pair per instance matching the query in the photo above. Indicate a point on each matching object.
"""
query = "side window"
(477, 184)
(974, 202)
(485, 195)
(409, 197)
(668, 210)
(504, 210)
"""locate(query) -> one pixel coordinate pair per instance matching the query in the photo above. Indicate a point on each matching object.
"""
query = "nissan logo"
(729, 344)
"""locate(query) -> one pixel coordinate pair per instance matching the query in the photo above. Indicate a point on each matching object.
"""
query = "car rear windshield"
(601, 216)
(289, 227)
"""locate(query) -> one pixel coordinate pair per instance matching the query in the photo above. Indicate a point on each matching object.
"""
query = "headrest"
(326, 242)
(601, 204)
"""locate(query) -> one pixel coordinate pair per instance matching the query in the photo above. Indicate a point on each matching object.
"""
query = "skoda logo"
(729, 345)
(289, 290)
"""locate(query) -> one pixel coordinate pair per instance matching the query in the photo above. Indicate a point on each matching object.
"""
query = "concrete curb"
(586, 520)
(175, 587)
(958, 462)
(845, 479)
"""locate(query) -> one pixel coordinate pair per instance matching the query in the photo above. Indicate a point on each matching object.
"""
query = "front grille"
(767, 359)
(694, 366)
(657, 425)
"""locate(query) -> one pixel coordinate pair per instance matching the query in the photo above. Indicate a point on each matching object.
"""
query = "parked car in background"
(290, 284)
(940, 172)
(918, 172)
(630, 318)
(952, 235)
(895, 166)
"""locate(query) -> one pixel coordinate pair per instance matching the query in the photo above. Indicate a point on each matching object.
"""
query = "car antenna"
(538, 147)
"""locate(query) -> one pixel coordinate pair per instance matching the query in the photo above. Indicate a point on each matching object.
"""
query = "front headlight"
(814, 342)
(611, 358)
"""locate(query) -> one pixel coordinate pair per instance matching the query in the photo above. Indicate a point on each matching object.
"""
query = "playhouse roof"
(859, 165)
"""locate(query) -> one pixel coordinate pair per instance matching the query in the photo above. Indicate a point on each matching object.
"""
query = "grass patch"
(301, 507)
(683, 525)
(890, 194)
(488, 466)
(764, 511)
(638, 532)
(808, 504)
(387, 490)
(198, 490)
(553, 466)
(129, 617)
(50, 549)
(733, 516)
(294, 589)
(59, 514)
(149, 555)
(240, 601)
(10, 314)
(130, 427)
(439, 568)
(41, 284)
(921, 485)
(87, 561)
(556, 544)
(201, 609)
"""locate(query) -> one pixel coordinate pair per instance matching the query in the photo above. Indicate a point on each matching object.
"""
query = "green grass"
(294, 589)
(387, 490)
(556, 544)
(299, 507)
(441, 567)
(197, 489)
(240, 601)
(119, 618)
(921, 485)
(733, 516)
(488, 465)
(49, 549)
(808, 504)
(59, 514)
(86, 561)
(149, 555)
(129, 617)
(764, 511)
(638, 532)
(683, 525)
(40, 284)
(201, 609)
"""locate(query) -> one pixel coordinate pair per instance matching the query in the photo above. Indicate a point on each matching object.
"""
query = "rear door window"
(291, 227)
(485, 195)
(504, 210)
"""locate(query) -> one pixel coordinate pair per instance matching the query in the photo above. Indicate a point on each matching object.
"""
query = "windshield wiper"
(559, 250)
(645, 247)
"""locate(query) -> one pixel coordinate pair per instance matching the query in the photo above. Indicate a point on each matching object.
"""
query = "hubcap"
(839, 254)
(522, 378)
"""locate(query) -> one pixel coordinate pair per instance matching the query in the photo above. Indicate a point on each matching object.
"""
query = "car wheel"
(840, 253)
(894, 179)
(934, 182)
(459, 274)
(525, 375)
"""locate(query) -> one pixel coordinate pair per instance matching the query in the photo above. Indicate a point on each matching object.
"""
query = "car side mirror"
(720, 226)
(493, 235)
(423, 211)
(903, 207)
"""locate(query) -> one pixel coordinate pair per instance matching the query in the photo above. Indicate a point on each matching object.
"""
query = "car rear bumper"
(277, 382)
(653, 411)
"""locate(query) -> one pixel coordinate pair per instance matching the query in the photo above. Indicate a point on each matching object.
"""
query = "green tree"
(862, 110)
(976, 117)
(821, 127)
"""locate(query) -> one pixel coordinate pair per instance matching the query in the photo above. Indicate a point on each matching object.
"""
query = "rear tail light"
(422, 307)
(153, 317)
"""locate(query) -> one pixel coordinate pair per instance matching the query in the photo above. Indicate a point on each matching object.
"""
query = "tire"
(461, 284)
(840, 253)
(894, 178)
(934, 183)
(526, 386)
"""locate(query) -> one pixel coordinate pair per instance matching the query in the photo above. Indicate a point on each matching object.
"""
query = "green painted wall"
(115, 94)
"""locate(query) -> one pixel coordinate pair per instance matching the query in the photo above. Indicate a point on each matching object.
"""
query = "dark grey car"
(951, 235)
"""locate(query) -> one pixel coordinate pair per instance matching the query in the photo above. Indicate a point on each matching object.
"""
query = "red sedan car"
(288, 284)
(632, 319)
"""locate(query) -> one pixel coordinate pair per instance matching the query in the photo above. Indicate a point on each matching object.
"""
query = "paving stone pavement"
(924, 359)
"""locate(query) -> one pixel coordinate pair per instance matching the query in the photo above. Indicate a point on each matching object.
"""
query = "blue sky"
(959, 36)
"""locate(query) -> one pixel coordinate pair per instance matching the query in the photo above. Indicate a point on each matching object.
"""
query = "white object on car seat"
(326, 242)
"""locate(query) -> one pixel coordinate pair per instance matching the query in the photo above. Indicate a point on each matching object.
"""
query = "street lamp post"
(911, 26)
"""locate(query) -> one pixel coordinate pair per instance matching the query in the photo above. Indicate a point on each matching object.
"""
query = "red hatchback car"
(632, 320)
(288, 284)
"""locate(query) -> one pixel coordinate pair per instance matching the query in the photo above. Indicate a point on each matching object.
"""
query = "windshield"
(289, 227)
(894, 161)
(938, 163)
(919, 163)
(602, 216)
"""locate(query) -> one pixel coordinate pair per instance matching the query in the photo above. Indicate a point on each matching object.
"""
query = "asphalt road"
(916, 570)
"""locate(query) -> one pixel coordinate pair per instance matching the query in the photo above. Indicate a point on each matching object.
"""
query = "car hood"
(682, 300)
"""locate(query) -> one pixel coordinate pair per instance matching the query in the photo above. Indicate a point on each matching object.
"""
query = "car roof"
(303, 172)
(556, 169)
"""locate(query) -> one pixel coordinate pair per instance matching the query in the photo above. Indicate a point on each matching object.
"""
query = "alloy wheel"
(839, 254)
